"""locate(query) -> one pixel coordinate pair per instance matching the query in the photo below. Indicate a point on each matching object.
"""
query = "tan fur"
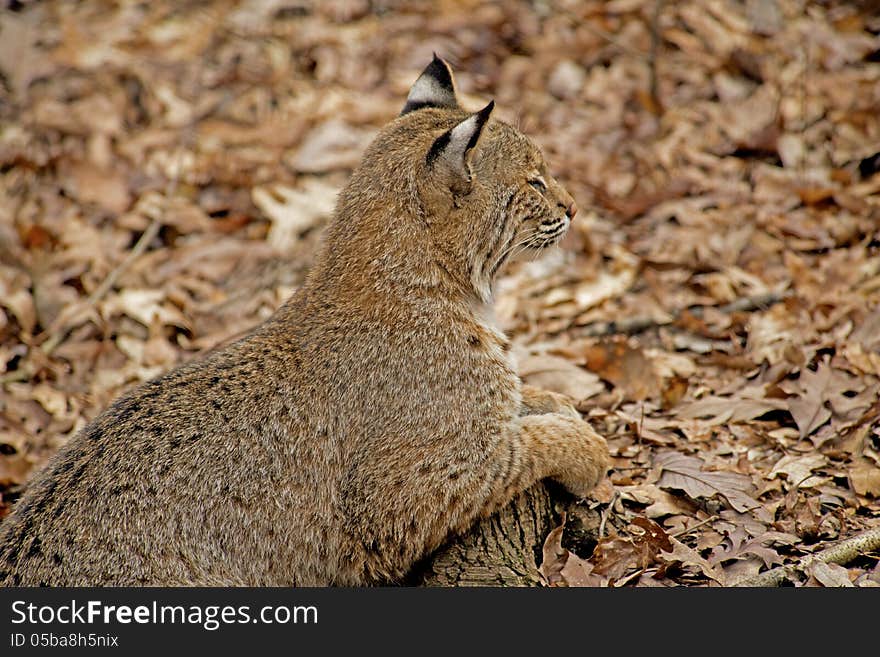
(376, 413)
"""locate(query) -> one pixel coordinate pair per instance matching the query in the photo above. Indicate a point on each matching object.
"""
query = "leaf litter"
(714, 311)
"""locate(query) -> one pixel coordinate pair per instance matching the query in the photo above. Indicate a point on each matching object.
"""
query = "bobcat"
(375, 414)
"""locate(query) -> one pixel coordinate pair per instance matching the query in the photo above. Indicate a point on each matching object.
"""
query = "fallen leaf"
(798, 469)
(145, 306)
(623, 363)
(659, 503)
(330, 146)
(614, 556)
(679, 553)
(554, 557)
(721, 410)
(52, 399)
(808, 406)
(557, 374)
(293, 211)
(685, 473)
(864, 475)
(829, 575)
(108, 188)
(605, 285)
(17, 298)
(739, 545)
(579, 572)
(752, 123)
(561, 567)
(23, 55)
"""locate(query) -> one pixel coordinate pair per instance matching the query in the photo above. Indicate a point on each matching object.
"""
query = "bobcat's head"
(479, 188)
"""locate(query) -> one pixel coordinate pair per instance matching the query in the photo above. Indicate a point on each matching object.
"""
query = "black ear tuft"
(435, 87)
(482, 117)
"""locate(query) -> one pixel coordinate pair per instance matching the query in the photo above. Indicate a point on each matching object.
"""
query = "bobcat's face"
(478, 189)
(485, 191)
(531, 210)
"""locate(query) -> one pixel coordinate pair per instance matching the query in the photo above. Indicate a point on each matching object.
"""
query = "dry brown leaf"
(740, 545)
(798, 469)
(617, 555)
(685, 473)
(772, 333)
(561, 567)
(554, 557)
(145, 306)
(690, 558)
(51, 399)
(14, 468)
(808, 408)
(15, 297)
(23, 55)
(293, 211)
(106, 187)
(720, 410)
(864, 476)
(829, 575)
(623, 363)
(660, 503)
(579, 572)
(557, 374)
(332, 145)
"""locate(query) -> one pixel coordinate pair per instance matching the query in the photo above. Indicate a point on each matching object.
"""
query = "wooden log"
(505, 549)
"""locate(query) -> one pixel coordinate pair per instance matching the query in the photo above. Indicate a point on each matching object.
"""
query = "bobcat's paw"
(588, 464)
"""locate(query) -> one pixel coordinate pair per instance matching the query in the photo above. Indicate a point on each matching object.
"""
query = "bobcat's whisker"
(505, 255)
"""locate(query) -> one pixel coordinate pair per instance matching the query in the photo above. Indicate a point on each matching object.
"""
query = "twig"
(688, 530)
(745, 304)
(16, 376)
(614, 41)
(604, 518)
(636, 325)
(625, 326)
(652, 57)
(107, 284)
(840, 553)
(136, 251)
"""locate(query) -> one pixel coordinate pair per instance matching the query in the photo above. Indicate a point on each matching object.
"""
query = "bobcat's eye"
(539, 184)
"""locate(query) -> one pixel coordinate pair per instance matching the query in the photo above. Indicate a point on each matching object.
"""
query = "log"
(505, 549)
(501, 550)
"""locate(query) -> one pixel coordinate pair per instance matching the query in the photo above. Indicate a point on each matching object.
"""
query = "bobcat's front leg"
(537, 401)
(551, 445)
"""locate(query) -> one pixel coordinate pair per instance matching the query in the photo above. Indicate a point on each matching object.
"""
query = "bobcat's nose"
(571, 210)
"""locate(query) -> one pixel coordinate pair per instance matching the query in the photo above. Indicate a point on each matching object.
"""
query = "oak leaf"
(808, 406)
(685, 473)
(557, 374)
(624, 364)
(798, 469)
(293, 211)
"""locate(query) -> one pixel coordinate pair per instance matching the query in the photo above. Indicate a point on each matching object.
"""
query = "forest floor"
(166, 168)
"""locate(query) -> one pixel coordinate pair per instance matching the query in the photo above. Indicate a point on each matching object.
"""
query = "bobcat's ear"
(434, 88)
(455, 146)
